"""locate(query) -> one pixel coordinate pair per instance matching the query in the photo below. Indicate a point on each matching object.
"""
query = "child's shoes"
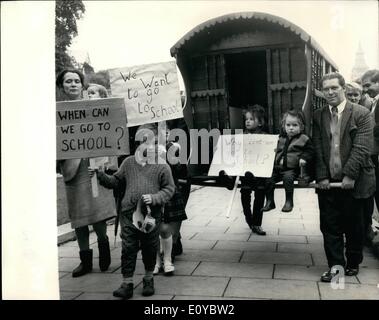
(158, 264)
(125, 291)
(168, 268)
(148, 286)
(288, 206)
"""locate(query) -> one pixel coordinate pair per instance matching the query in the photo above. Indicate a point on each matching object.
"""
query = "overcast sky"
(118, 34)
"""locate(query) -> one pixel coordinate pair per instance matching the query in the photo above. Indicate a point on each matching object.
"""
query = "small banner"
(151, 92)
(236, 154)
(91, 128)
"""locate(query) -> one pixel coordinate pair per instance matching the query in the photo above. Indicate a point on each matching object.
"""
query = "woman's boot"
(104, 254)
(85, 265)
(288, 206)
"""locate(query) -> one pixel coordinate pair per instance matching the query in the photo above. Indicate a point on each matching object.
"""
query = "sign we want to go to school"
(151, 92)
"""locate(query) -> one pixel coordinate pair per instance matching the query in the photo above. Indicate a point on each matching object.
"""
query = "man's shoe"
(258, 230)
(328, 276)
(351, 271)
(125, 291)
(148, 287)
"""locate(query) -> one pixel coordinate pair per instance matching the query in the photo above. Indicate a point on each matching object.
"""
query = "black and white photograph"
(205, 151)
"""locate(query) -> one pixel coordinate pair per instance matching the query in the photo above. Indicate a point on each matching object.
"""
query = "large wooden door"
(208, 93)
(286, 82)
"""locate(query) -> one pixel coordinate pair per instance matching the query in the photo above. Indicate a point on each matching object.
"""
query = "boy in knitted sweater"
(148, 186)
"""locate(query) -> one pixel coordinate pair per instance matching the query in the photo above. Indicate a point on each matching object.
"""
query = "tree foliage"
(100, 77)
(66, 15)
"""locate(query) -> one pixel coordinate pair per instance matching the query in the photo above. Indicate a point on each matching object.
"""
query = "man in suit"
(370, 84)
(342, 135)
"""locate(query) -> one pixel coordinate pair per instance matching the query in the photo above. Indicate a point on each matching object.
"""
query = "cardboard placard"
(236, 154)
(151, 92)
(91, 128)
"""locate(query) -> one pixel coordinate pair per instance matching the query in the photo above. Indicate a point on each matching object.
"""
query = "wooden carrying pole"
(232, 198)
(95, 188)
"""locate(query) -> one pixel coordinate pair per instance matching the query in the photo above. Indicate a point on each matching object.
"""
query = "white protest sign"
(236, 154)
(151, 92)
(91, 128)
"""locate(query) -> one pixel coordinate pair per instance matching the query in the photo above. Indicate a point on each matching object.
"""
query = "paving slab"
(221, 236)
(350, 292)
(69, 264)
(198, 244)
(298, 231)
(368, 276)
(69, 295)
(276, 258)
(210, 255)
(245, 228)
(278, 238)
(225, 269)
(209, 298)
(199, 221)
(290, 223)
(191, 286)
(109, 296)
(245, 246)
(317, 248)
(315, 239)
(182, 268)
(63, 274)
(92, 282)
(186, 227)
(308, 273)
(272, 289)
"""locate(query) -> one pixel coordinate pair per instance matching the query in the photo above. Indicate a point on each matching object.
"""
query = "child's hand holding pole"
(147, 199)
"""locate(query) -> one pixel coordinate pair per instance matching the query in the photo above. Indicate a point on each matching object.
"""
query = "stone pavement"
(222, 259)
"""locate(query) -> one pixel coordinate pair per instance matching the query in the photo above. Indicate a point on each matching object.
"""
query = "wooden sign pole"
(232, 198)
(95, 188)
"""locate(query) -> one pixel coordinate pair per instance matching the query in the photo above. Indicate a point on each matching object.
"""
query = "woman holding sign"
(83, 208)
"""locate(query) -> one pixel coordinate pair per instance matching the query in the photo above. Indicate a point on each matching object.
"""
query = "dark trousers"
(254, 219)
(374, 159)
(287, 176)
(82, 234)
(369, 205)
(367, 217)
(131, 240)
(341, 214)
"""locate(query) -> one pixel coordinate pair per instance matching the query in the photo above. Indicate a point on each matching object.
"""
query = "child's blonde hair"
(102, 91)
(296, 114)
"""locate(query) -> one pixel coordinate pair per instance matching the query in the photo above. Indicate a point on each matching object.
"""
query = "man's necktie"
(335, 160)
(334, 121)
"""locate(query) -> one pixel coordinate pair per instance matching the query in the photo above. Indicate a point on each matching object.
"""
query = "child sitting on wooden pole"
(294, 149)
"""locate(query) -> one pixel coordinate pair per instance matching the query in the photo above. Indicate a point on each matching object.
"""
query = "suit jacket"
(376, 128)
(355, 147)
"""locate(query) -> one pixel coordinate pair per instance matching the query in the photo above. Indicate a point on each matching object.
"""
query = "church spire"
(360, 65)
